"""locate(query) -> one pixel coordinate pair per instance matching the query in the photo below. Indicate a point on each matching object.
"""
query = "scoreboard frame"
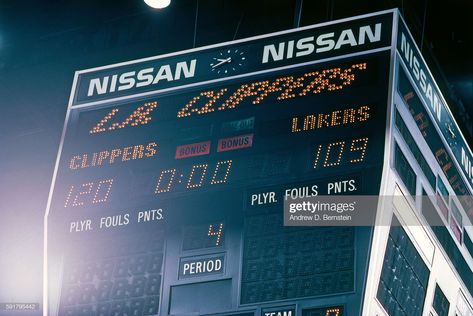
(75, 103)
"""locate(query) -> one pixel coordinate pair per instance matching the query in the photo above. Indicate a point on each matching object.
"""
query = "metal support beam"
(298, 13)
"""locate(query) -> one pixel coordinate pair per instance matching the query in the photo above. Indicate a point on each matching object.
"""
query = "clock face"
(451, 137)
(228, 61)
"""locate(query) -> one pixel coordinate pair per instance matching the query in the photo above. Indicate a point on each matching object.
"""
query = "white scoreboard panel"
(424, 267)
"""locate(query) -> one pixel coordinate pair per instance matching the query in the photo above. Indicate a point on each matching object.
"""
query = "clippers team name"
(141, 78)
(323, 43)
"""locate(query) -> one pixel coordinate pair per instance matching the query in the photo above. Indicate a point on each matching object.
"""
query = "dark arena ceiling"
(42, 43)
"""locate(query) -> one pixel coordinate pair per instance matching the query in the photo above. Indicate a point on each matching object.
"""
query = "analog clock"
(228, 61)
(451, 136)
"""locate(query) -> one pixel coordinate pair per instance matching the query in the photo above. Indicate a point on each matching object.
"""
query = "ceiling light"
(158, 4)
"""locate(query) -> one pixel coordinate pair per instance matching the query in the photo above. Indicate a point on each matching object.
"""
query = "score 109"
(198, 176)
(340, 152)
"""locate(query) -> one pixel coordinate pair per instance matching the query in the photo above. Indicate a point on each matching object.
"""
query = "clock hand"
(222, 61)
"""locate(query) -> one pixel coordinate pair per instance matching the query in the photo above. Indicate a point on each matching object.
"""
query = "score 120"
(91, 192)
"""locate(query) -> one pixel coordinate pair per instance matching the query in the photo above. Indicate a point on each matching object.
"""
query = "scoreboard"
(170, 181)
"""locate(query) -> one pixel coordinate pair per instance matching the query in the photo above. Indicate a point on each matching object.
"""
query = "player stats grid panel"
(168, 197)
